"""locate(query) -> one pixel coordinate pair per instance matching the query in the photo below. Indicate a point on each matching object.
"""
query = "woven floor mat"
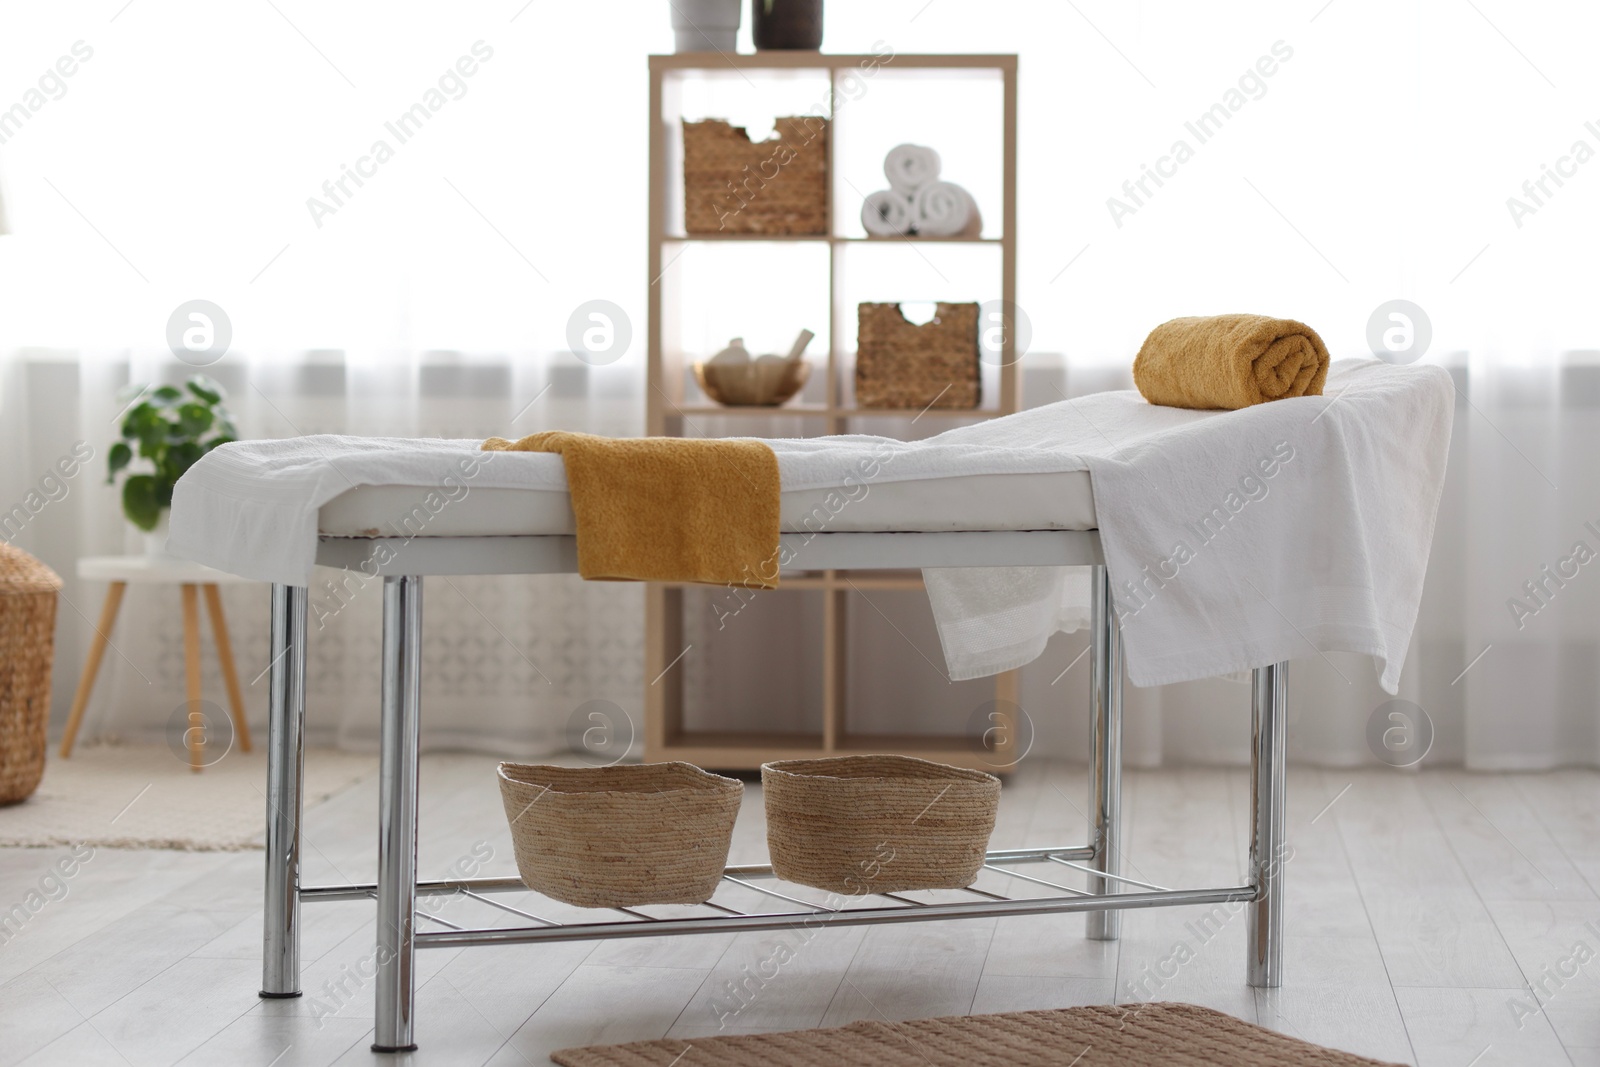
(1148, 1035)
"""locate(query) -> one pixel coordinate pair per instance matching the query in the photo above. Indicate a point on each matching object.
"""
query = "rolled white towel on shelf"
(944, 209)
(909, 167)
(886, 213)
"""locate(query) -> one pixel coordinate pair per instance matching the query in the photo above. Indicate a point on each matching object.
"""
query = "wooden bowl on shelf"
(759, 383)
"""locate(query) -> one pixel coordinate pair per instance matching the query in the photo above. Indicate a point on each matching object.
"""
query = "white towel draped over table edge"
(1232, 539)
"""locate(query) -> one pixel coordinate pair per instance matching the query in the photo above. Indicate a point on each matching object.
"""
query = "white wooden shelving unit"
(854, 265)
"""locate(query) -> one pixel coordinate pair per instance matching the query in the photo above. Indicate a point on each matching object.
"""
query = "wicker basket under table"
(27, 649)
(877, 824)
(608, 837)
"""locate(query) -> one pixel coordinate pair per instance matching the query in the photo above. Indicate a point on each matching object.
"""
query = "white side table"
(191, 577)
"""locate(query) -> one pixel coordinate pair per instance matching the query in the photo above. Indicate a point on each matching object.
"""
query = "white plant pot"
(155, 541)
(706, 25)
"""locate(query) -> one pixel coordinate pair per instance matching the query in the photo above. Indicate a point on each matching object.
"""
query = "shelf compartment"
(712, 291)
(755, 659)
(958, 113)
(906, 680)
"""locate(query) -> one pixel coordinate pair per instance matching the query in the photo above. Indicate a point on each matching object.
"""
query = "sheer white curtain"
(1361, 154)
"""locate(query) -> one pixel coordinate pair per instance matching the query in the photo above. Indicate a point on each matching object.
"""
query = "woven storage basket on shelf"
(902, 365)
(777, 186)
(605, 837)
(877, 824)
(27, 648)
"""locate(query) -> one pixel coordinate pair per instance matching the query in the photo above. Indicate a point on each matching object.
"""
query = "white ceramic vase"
(706, 25)
(155, 541)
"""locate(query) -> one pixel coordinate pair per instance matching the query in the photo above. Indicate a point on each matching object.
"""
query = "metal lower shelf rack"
(854, 911)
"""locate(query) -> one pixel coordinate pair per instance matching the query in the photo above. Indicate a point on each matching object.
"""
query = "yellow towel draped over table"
(1230, 362)
(668, 509)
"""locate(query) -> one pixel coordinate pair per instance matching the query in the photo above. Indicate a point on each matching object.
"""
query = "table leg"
(1105, 752)
(1269, 851)
(286, 763)
(91, 665)
(230, 676)
(397, 814)
(195, 735)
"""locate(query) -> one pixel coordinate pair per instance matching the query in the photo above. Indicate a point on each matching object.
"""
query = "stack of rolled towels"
(917, 203)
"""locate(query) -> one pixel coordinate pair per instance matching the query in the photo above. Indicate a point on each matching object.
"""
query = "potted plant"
(171, 428)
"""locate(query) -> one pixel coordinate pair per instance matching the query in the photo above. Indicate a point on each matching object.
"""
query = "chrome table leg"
(397, 814)
(1268, 849)
(280, 959)
(1105, 752)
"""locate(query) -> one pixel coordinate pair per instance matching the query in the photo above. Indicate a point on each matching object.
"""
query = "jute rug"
(1147, 1035)
(145, 796)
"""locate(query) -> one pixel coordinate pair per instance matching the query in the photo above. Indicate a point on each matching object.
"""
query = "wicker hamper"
(606, 837)
(901, 365)
(27, 648)
(877, 824)
(776, 186)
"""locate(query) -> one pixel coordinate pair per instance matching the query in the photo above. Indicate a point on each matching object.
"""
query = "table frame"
(403, 564)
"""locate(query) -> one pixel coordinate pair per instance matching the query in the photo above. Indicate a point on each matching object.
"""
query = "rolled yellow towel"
(668, 509)
(1229, 362)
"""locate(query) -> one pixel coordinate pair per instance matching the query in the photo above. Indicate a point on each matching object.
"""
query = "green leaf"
(167, 394)
(205, 389)
(121, 455)
(141, 501)
(140, 416)
(193, 420)
(153, 439)
(179, 458)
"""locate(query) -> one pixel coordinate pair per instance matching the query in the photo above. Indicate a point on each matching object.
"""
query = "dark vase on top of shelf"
(794, 25)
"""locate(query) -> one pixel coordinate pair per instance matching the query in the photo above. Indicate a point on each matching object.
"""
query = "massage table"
(1000, 520)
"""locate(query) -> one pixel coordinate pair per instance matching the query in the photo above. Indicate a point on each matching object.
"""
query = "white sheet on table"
(1331, 559)
(250, 508)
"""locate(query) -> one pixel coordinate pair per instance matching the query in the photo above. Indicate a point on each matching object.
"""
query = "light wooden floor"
(1421, 909)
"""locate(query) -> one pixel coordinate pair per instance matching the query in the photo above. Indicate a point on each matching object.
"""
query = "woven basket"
(901, 365)
(27, 649)
(877, 824)
(605, 837)
(779, 185)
